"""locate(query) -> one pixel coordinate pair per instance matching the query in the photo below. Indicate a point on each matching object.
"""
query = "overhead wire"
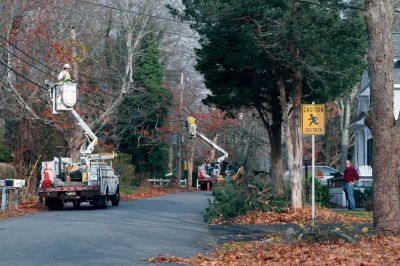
(22, 76)
(103, 19)
(343, 6)
(31, 65)
(40, 86)
(16, 47)
(132, 12)
(37, 61)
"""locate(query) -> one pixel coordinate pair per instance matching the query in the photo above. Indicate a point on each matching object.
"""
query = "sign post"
(313, 123)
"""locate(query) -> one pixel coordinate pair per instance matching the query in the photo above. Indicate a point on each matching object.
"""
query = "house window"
(369, 151)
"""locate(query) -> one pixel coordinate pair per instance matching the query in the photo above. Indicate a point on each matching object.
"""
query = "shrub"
(363, 199)
(322, 195)
(126, 171)
(5, 154)
(231, 200)
(7, 171)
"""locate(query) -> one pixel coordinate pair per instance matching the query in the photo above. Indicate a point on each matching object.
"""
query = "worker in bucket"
(64, 75)
(191, 122)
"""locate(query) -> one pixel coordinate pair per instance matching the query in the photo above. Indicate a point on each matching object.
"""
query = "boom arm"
(89, 134)
(215, 146)
(63, 97)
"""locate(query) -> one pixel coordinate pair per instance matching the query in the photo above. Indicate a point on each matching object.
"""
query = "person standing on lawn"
(350, 178)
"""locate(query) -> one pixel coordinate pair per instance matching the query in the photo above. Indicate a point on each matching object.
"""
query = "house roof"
(358, 122)
(396, 70)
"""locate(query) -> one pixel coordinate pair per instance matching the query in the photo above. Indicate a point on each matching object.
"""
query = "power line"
(40, 86)
(132, 12)
(37, 61)
(46, 73)
(335, 5)
(103, 19)
(21, 75)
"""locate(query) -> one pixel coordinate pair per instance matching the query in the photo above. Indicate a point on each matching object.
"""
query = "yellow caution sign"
(313, 119)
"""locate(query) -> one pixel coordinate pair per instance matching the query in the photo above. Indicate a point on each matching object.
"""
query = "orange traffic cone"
(46, 181)
(208, 186)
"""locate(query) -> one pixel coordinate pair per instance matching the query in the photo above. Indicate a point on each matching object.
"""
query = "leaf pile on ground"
(148, 192)
(375, 250)
(293, 216)
(25, 208)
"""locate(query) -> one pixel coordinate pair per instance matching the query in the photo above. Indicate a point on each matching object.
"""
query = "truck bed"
(71, 186)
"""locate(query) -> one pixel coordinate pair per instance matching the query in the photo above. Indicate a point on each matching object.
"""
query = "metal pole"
(180, 130)
(10, 199)
(312, 182)
(306, 176)
(17, 199)
(3, 199)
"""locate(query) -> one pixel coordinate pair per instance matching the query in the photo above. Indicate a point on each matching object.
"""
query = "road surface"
(123, 235)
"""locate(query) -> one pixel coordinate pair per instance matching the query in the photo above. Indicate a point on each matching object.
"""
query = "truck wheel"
(54, 204)
(115, 198)
(76, 204)
(50, 203)
(59, 204)
(104, 201)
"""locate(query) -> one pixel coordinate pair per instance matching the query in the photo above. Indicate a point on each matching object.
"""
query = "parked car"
(322, 172)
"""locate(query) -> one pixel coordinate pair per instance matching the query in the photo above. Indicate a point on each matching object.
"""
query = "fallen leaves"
(147, 192)
(376, 250)
(295, 216)
(168, 259)
(25, 208)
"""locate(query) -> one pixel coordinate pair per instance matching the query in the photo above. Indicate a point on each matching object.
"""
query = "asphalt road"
(123, 235)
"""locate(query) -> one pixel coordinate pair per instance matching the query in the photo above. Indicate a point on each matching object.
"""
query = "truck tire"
(104, 201)
(54, 204)
(115, 198)
(76, 204)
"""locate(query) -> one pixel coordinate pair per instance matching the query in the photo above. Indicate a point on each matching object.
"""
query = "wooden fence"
(160, 182)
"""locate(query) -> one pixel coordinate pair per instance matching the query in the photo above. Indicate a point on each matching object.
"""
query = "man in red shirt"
(350, 178)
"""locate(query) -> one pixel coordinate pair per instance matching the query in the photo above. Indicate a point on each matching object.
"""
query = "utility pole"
(180, 130)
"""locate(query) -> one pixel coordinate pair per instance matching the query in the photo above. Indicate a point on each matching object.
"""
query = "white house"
(363, 137)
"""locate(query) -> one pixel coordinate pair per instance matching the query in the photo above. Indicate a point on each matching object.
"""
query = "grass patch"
(357, 213)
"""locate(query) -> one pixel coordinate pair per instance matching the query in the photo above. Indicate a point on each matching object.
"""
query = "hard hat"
(67, 66)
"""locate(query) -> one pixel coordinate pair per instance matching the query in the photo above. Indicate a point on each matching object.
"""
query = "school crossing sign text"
(313, 119)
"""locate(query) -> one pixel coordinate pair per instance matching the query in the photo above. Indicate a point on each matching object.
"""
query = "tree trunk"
(76, 140)
(286, 124)
(74, 55)
(190, 151)
(170, 157)
(276, 160)
(345, 118)
(297, 179)
(344, 150)
(380, 117)
(272, 121)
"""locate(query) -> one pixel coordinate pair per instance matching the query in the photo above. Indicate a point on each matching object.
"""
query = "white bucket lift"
(63, 97)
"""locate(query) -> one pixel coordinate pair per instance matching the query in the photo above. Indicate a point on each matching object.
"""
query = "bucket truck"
(92, 179)
(208, 174)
